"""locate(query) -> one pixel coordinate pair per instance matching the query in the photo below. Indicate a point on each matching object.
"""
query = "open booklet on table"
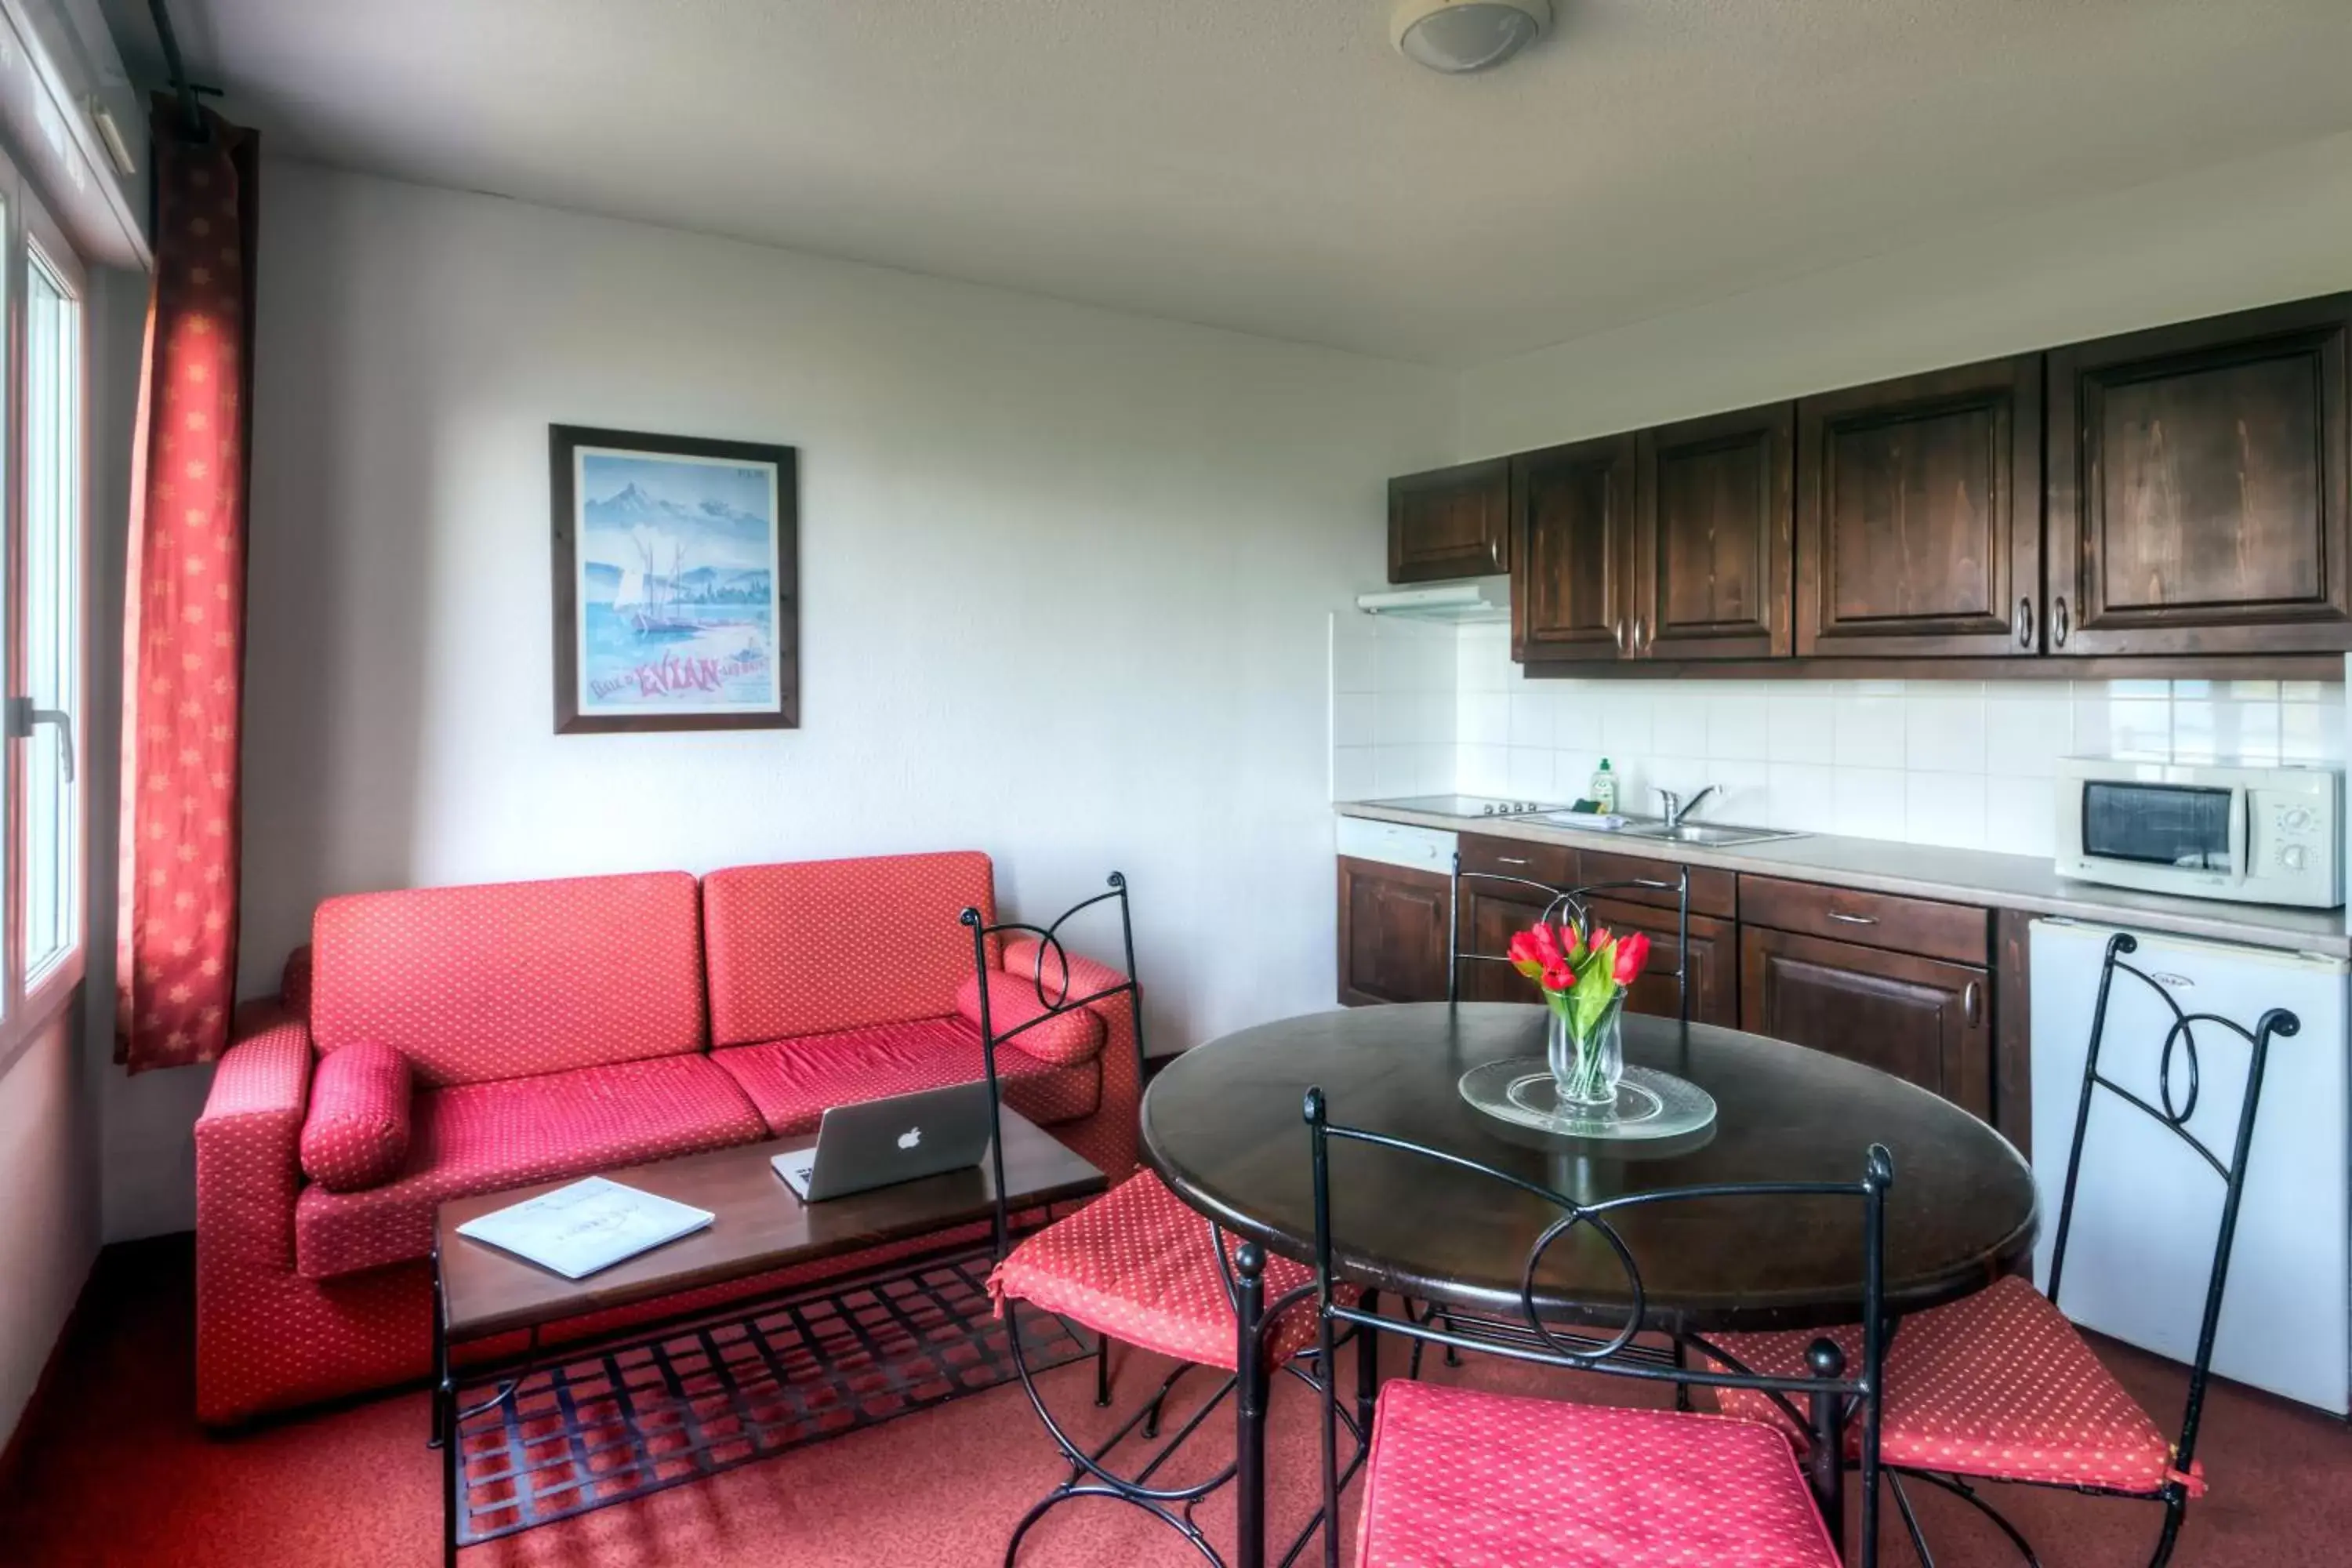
(588, 1226)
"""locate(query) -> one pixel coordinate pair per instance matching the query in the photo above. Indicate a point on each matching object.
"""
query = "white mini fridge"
(2146, 1208)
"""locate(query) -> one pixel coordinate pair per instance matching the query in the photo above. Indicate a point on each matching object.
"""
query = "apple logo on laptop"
(910, 1137)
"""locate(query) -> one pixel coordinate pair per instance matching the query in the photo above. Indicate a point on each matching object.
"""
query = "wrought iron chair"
(1139, 1266)
(1565, 906)
(1561, 907)
(1958, 1409)
(1453, 1464)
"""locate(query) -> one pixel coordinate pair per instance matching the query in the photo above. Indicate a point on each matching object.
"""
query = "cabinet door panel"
(1714, 962)
(1918, 515)
(1490, 919)
(1711, 547)
(1393, 930)
(1450, 522)
(1915, 1017)
(2197, 497)
(1572, 527)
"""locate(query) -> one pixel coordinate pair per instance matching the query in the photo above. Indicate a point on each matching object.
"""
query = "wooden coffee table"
(563, 1430)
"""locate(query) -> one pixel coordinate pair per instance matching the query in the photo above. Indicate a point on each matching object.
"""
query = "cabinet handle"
(1971, 996)
(1621, 635)
(1638, 641)
(1843, 918)
(2025, 623)
(1507, 860)
(2058, 623)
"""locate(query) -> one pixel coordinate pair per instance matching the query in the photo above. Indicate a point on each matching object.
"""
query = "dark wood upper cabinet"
(1919, 515)
(1712, 540)
(1450, 522)
(2198, 486)
(1394, 924)
(1572, 540)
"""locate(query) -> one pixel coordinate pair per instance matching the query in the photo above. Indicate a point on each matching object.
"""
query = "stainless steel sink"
(1718, 835)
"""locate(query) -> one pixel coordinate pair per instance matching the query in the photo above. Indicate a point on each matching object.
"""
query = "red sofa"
(552, 1029)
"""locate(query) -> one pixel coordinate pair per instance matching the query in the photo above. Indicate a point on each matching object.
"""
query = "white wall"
(49, 1205)
(2277, 227)
(1066, 577)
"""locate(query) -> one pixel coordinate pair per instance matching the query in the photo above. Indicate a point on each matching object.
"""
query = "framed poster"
(677, 583)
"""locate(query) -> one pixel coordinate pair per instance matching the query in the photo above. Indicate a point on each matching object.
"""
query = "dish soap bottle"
(1604, 788)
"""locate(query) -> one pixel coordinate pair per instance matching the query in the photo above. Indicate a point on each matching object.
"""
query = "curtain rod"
(178, 68)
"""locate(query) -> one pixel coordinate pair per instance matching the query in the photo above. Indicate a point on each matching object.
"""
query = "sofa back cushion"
(814, 946)
(513, 979)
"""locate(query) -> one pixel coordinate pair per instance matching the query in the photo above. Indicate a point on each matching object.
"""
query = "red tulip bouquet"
(1583, 974)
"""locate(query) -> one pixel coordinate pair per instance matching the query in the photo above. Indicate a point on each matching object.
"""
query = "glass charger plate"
(1650, 1104)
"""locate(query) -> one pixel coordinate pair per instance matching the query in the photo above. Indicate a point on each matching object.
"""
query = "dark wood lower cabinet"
(1917, 1019)
(1393, 924)
(1489, 921)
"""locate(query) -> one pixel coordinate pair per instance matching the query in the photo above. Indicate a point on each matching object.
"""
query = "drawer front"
(1397, 844)
(1554, 865)
(1712, 892)
(1959, 933)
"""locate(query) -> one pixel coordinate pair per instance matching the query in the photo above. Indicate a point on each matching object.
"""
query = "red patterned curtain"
(184, 632)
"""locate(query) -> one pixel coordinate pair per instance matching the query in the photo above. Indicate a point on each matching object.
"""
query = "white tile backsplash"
(1419, 708)
(1396, 715)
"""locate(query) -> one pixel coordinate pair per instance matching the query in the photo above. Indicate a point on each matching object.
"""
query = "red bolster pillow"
(1067, 1039)
(356, 1136)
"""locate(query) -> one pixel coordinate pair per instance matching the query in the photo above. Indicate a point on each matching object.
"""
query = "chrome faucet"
(1678, 807)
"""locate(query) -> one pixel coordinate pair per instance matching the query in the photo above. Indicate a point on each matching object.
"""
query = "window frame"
(31, 1005)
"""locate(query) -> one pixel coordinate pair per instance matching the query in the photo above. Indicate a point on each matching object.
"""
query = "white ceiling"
(1273, 165)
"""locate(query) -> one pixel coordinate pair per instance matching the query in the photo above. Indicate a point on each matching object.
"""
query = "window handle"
(22, 716)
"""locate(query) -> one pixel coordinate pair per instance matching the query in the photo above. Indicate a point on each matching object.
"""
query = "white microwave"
(2256, 834)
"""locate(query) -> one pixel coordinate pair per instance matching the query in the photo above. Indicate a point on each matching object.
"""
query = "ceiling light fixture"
(1458, 37)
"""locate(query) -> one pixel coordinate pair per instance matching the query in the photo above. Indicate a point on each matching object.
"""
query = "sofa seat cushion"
(482, 1137)
(1064, 1038)
(356, 1134)
(793, 1082)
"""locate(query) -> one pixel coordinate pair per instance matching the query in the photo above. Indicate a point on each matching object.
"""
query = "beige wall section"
(2277, 227)
(1067, 579)
(49, 1205)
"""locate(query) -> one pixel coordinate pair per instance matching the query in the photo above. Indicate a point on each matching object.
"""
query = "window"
(42, 627)
(52, 615)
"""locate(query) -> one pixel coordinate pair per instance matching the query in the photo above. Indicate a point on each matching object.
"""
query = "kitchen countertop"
(1982, 877)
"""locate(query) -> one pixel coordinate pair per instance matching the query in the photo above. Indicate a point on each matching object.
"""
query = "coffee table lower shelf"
(577, 1428)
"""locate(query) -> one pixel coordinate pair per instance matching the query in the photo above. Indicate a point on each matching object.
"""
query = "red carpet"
(115, 1472)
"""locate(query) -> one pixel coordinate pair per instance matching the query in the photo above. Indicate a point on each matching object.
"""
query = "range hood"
(1472, 599)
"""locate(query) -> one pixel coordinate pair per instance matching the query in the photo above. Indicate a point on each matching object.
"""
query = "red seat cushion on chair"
(356, 1133)
(1066, 1039)
(1460, 1479)
(482, 1137)
(1136, 1265)
(1997, 1384)
(795, 1082)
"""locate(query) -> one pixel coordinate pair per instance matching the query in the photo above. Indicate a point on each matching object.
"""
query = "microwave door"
(2166, 826)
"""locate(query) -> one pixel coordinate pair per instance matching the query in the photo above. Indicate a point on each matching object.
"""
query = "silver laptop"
(879, 1142)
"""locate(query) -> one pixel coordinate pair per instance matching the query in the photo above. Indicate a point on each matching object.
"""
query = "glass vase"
(1587, 1066)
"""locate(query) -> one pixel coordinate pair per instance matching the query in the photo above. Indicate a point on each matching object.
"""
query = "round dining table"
(1223, 1125)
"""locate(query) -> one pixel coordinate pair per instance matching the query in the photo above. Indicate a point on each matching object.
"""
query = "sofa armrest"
(1108, 1137)
(249, 1140)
